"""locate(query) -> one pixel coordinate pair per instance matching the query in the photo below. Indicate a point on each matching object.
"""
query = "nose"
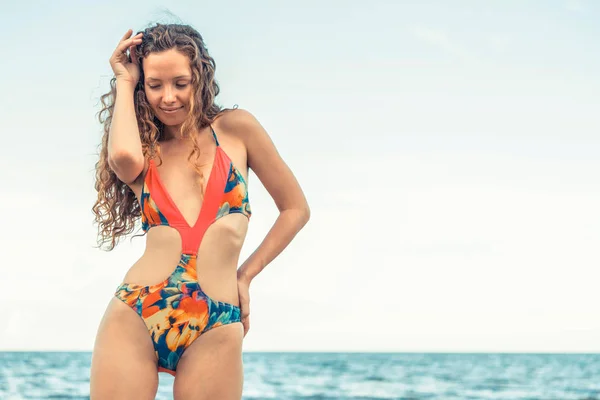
(169, 96)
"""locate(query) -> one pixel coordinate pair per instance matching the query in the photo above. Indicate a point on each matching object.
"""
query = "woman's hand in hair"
(125, 66)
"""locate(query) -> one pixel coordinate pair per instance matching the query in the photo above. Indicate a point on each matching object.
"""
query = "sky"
(448, 151)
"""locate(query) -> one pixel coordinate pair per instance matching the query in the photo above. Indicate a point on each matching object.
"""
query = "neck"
(172, 133)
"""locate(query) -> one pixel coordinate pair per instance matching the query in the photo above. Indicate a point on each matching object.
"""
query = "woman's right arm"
(125, 155)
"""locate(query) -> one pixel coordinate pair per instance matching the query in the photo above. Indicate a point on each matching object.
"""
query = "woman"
(174, 158)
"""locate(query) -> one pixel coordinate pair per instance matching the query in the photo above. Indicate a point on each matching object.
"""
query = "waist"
(155, 268)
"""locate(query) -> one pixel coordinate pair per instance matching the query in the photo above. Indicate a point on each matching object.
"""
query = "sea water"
(340, 376)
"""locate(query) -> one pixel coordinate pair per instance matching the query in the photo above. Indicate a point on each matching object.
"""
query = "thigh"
(123, 361)
(211, 368)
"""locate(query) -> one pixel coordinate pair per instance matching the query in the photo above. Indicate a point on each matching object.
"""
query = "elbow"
(298, 216)
(304, 215)
(118, 157)
(127, 166)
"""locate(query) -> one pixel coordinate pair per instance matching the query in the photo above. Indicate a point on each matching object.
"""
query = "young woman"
(178, 161)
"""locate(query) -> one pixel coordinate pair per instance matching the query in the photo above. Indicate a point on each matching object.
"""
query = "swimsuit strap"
(214, 135)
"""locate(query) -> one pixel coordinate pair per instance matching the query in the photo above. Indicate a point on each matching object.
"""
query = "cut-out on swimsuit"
(177, 311)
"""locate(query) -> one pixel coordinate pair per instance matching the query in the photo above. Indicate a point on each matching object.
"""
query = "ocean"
(341, 376)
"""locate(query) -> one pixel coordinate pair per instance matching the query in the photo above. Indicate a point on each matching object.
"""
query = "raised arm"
(125, 155)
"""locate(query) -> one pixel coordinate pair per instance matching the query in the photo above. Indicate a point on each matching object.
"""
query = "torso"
(219, 250)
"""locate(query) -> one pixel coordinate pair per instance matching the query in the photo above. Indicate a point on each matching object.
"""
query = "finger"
(133, 54)
(246, 324)
(129, 33)
(126, 35)
(127, 43)
(117, 51)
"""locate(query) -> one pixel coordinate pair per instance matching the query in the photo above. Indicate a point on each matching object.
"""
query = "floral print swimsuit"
(177, 311)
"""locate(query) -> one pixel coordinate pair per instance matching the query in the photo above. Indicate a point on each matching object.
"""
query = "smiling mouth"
(172, 110)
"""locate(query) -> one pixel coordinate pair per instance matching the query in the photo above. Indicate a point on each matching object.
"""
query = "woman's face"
(168, 85)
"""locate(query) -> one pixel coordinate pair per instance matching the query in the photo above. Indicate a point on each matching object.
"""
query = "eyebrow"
(177, 77)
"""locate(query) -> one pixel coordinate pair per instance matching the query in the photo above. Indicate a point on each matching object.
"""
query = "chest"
(182, 176)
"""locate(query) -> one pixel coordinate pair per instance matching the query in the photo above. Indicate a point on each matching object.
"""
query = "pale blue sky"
(448, 150)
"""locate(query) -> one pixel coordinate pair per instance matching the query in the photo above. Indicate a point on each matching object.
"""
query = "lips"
(171, 110)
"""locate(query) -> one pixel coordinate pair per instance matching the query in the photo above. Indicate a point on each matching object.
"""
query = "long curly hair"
(116, 209)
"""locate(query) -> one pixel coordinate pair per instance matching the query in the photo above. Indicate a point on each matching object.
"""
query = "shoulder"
(244, 127)
(239, 123)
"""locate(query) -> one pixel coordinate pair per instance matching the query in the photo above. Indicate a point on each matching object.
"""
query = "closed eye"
(177, 85)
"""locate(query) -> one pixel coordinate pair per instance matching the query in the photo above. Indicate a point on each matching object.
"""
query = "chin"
(172, 122)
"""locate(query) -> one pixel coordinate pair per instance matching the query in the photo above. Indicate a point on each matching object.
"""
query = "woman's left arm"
(280, 182)
(283, 187)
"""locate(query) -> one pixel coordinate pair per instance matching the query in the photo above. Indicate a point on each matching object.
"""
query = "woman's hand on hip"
(244, 296)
